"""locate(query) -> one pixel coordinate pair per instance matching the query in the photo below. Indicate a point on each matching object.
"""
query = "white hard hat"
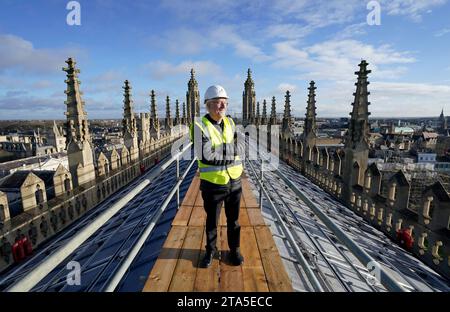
(214, 92)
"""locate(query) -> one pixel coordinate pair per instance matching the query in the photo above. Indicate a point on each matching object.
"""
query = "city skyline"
(285, 44)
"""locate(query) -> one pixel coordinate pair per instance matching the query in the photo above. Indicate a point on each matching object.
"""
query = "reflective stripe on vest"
(219, 174)
(219, 168)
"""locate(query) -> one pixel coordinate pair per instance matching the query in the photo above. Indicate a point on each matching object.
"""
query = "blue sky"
(154, 44)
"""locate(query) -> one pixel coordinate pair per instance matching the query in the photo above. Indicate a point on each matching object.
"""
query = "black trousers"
(212, 199)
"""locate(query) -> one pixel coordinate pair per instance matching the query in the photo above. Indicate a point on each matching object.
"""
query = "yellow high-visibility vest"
(218, 174)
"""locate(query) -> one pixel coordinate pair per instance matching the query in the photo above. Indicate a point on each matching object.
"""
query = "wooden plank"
(186, 269)
(254, 279)
(198, 216)
(247, 194)
(199, 199)
(249, 248)
(255, 217)
(183, 215)
(231, 278)
(161, 274)
(252, 269)
(223, 217)
(243, 218)
(192, 193)
(277, 278)
(207, 279)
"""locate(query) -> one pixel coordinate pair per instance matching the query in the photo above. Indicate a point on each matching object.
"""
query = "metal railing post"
(117, 276)
(260, 188)
(53, 260)
(178, 179)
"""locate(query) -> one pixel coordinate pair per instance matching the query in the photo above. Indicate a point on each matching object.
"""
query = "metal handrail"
(119, 274)
(385, 278)
(304, 264)
(38, 273)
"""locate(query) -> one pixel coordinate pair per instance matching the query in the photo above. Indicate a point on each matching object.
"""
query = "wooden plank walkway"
(176, 268)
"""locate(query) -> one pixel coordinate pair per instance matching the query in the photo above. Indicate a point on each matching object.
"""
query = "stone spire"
(130, 137)
(57, 138)
(248, 99)
(310, 120)
(192, 98)
(264, 113)
(356, 141)
(154, 121)
(77, 124)
(177, 113)
(79, 149)
(273, 112)
(168, 121)
(143, 127)
(358, 130)
(286, 126)
(309, 133)
(184, 113)
(258, 115)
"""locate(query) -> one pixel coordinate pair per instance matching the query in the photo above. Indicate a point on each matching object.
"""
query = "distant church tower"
(442, 123)
(154, 121)
(356, 141)
(287, 123)
(79, 150)
(192, 99)
(310, 132)
(248, 100)
(130, 136)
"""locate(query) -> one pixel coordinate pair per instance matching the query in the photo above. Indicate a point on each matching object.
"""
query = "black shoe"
(207, 259)
(236, 257)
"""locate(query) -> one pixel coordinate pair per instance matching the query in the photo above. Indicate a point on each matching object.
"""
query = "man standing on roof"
(216, 146)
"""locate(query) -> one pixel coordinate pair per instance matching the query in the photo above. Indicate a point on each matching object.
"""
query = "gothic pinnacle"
(264, 112)
(287, 105)
(273, 112)
(177, 112)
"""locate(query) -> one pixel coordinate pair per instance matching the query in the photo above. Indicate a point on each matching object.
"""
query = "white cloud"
(19, 54)
(227, 35)
(319, 13)
(352, 30)
(411, 8)
(42, 84)
(161, 69)
(181, 41)
(387, 99)
(288, 31)
(110, 81)
(336, 60)
(410, 99)
(283, 87)
(442, 32)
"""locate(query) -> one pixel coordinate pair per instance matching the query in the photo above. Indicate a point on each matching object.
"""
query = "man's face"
(217, 107)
